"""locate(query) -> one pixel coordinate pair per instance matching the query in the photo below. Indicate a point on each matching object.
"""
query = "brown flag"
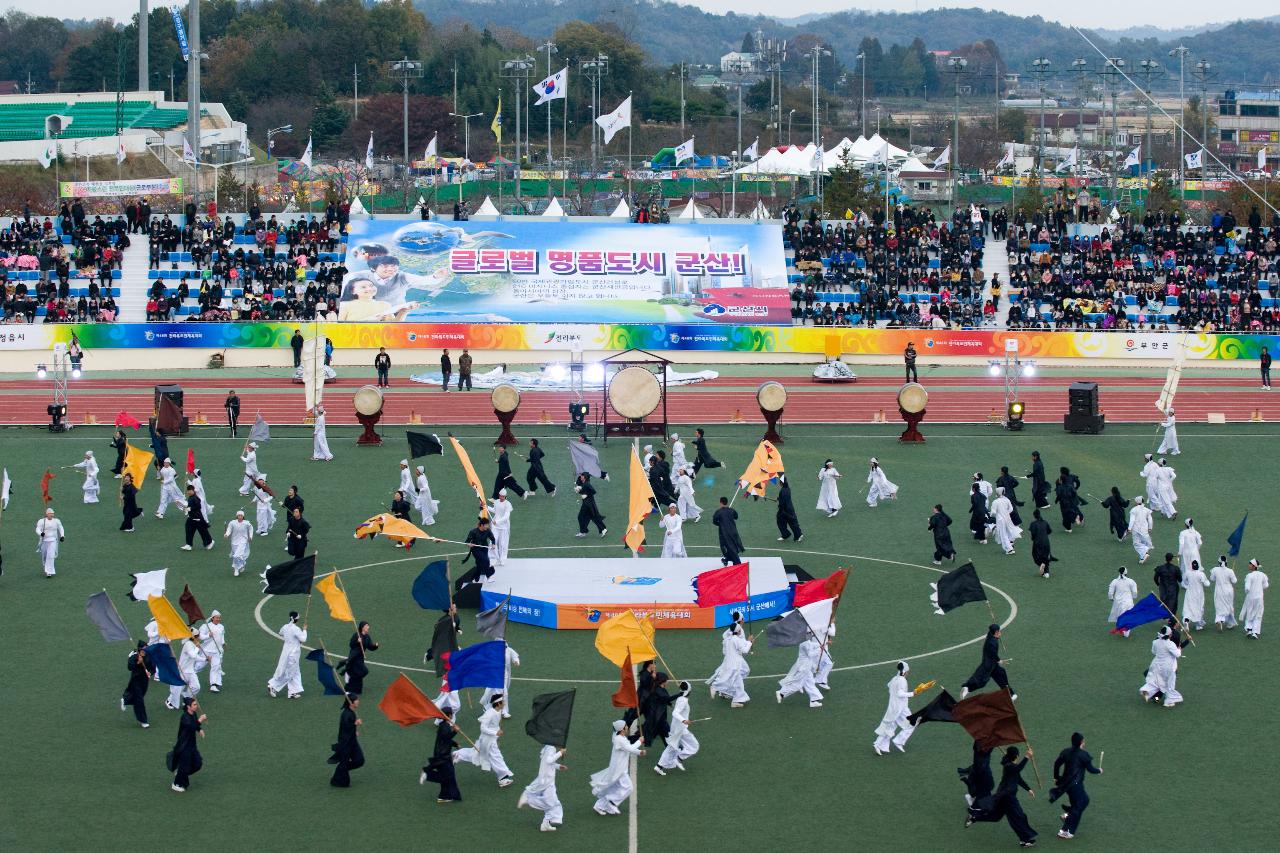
(626, 697)
(990, 718)
(190, 606)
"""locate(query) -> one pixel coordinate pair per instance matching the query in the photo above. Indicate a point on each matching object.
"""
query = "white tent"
(913, 164)
(357, 207)
(690, 211)
(621, 211)
(487, 208)
(554, 209)
(760, 212)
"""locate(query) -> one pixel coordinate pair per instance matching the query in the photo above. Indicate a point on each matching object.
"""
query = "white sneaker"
(679, 764)
(145, 725)
(422, 778)
(964, 691)
(520, 803)
(604, 532)
(599, 811)
(777, 694)
(1062, 833)
(580, 536)
(122, 703)
(900, 747)
(174, 787)
(659, 770)
(546, 827)
(209, 547)
(505, 781)
(186, 547)
(815, 704)
(215, 688)
(736, 704)
(272, 691)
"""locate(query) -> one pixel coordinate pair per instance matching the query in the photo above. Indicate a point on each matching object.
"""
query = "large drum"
(506, 400)
(771, 396)
(368, 406)
(634, 393)
(912, 399)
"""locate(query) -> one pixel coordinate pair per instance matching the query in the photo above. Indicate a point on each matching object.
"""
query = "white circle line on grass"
(1013, 614)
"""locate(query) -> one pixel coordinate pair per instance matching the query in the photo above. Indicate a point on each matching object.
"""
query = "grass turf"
(79, 772)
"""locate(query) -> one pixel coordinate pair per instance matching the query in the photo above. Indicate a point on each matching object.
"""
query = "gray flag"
(790, 630)
(103, 614)
(492, 623)
(260, 431)
(585, 458)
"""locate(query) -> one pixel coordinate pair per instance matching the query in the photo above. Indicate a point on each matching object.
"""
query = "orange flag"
(406, 705)
(766, 464)
(472, 480)
(627, 697)
(641, 504)
(44, 486)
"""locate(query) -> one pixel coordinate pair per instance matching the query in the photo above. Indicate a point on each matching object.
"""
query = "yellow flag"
(472, 480)
(640, 505)
(766, 464)
(626, 632)
(339, 606)
(136, 462)
(496, 126)
(170, 624)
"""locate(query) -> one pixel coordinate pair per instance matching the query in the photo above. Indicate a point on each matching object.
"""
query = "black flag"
(937, 711)
(549, 724)
(421, 444)
(444, 639)
(291, 578)
(957, 587)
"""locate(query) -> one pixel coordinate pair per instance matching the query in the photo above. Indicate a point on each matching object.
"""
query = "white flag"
(1007, 159)
(817, 158)
(615, 121)
(1068, 162)
(1115, 213)
(48, 155)
(753, 150)
(306, 155)
(1134, 158)
(368, 153)
(431, 148)
(187, 154)
(119, 150)
(883, 155)
(555, 86)
(684, 151)
(147, 584)
(943, 159)
(1262, 159)
(4, 490)
(1195, 159)
(244, 146)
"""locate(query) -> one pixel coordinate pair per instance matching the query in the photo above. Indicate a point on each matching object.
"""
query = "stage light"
(1028, 369)
(41, 371)
(556, 372)
(75, 373)
(57, 416)
(1014, 419)
(594, 373)
(578, 413)
(994, 369)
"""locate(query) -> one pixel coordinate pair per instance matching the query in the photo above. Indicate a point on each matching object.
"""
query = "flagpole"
(631, 136)
(564, 147)
(1023, 730)
(1186, 633)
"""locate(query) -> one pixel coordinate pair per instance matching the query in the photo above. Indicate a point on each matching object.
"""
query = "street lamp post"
(519, 69)
(595, 69)
(955, 65)
(1042, 68)
(1111, 73)
(550, 48)
(406, 70)
(1204, 72)
(862, 103)
(1150, 68)
(789, 115)
(1181, 52)
(1081, 66)
(466, 143)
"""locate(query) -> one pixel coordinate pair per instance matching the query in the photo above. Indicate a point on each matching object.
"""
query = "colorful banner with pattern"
(144, 186)
(674, 337)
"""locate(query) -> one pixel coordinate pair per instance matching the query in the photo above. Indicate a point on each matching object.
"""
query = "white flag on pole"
(1007, 159)
(615, 121)
(1195, 159)
(555, 86)
(431, 148)
(119, 150)
(753, 150)
(48, 155)
(1134, 158)
(368, 153)
(187, 154)
(943, 159)
(1069, 162)
(306, 155)
(1262, 159)
(684, 151)
(244, 146)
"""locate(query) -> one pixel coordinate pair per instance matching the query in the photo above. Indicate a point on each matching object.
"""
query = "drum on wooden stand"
(368, 406)
(912, 399)
(771, 397)
(506, 402)
(635, 393)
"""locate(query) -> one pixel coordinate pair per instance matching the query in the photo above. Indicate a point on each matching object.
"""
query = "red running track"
(721, 401)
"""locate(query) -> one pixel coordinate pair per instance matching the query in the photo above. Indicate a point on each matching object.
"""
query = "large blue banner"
(180, 30)
(564, 271)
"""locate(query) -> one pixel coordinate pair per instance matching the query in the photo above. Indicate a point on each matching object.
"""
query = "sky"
(1089, 13)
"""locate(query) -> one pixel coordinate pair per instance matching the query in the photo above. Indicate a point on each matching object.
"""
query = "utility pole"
(1081, 66)
(955, 65)
(144, 70)
(1150, 68)
(1181, 52)
(550, 47)
(405, 71)
(682, 99)
(519, 69)
(595, 69)
(1112, 72)
(355, 89)
(1042, 68)
(193, 80)
(1204, 72)
(862, 102)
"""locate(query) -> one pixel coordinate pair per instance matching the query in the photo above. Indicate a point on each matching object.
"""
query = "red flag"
(816, 590)
(721, 586)
(124, 419)
(405, 704)
(990, 718)
(44, 486)
(191, 461)
(627, 697)
(190, 606)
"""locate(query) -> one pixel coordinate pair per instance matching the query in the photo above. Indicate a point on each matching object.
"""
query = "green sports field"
(78, 773)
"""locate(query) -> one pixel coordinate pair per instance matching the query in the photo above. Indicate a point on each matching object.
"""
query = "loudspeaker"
(173, 392)
(1091, 424)
(1082, 398)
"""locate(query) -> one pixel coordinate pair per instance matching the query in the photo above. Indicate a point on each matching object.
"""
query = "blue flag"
(166, 667)
(1237, 537)
(431, 588)
(328, 680)
(481, 665)
(1149, 609)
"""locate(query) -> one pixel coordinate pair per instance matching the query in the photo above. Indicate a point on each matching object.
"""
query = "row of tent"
(796, 161)
(623, 211)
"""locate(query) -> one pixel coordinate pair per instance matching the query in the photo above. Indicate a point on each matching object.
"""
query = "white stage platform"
(579, 593)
